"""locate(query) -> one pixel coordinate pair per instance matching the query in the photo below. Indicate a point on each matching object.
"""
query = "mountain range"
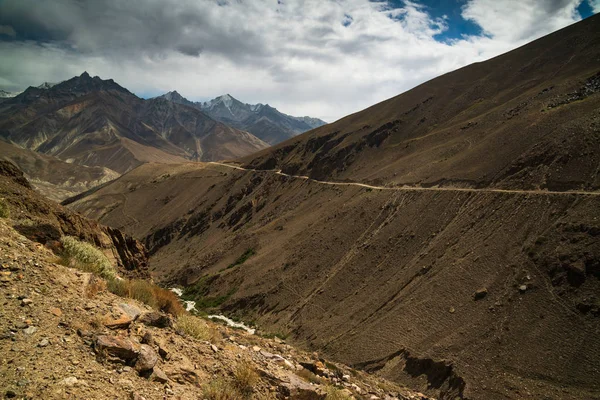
(446, 238)
(95, 122)
(262, 120)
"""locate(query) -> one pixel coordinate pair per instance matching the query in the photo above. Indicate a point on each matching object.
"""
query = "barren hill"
(96, 122)
(446, 238)
(54, 178)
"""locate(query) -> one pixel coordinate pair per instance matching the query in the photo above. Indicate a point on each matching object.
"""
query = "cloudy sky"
(323, 58)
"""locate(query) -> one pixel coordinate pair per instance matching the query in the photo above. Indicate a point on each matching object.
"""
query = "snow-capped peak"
(47, 85)
(174, 95)
(5, 95)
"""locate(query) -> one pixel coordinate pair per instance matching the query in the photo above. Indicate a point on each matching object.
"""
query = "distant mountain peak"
(84, 75)
(47, 85)
(262, 120)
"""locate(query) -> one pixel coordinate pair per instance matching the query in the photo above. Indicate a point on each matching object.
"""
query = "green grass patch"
(242, 259)
(198, 292)
(4, 211)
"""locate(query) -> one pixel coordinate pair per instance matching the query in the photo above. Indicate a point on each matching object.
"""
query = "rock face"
(46, 222)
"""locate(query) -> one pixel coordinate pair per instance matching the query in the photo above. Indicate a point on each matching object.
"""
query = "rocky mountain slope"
(445, 238)
(95, 122)
(262, 120)
(45, 222)
(64, 335)
(52, 177)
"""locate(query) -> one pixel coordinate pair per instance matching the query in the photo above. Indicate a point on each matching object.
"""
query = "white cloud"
(519, 20)
(298, 56)
(595, 4)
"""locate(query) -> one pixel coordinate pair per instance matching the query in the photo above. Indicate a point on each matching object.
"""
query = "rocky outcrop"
(45, 222)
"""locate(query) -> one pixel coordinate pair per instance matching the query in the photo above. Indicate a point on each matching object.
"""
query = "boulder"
(117, 347)
(156, 319)
(147, 359)
(480, 294)
(159, 376)
(297, 389)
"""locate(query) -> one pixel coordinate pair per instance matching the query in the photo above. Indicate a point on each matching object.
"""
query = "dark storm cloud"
(151, 27)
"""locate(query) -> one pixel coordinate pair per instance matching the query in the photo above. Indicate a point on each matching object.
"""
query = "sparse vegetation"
(86, 257)
(4, 211)
(241, 386)
(334, 393)
(198, 292)
(242, 259)
(194, 327)
(219, 389)
(148, 293)
(245, 378)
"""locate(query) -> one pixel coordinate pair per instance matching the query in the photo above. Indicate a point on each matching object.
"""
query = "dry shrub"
(220, 389)
(334, 393)
(120, 287)
(168, 302)
(86, 257)
(148, 293)
(245, 378)
(94, 286)
(194, 327)
(142, 291)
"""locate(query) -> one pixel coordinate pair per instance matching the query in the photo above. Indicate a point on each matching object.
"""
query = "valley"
(445, 239)
(441, 244)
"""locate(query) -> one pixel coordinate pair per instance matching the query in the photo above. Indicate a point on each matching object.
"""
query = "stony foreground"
(63, 336)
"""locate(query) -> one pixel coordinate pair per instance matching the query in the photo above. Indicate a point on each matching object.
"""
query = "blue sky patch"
(457, 26)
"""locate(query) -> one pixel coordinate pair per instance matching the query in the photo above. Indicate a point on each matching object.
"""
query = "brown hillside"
(526, 119)
(478, 280)
(52, 177)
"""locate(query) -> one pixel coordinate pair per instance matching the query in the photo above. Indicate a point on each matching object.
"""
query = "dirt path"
(414, 188)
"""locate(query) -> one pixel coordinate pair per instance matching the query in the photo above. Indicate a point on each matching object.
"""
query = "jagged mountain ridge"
(262, 120)
(97, 122)
(472, 255)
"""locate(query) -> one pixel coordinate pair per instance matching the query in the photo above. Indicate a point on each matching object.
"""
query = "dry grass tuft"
(84, 256)
(334, 393)
(148, 293)
(220, 389)
(95, 286)
(245, 377)
(194, 327)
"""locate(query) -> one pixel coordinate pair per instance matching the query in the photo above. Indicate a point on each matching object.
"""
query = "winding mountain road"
(411, 188)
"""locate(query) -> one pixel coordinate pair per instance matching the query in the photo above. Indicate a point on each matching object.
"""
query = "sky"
(322, 58)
